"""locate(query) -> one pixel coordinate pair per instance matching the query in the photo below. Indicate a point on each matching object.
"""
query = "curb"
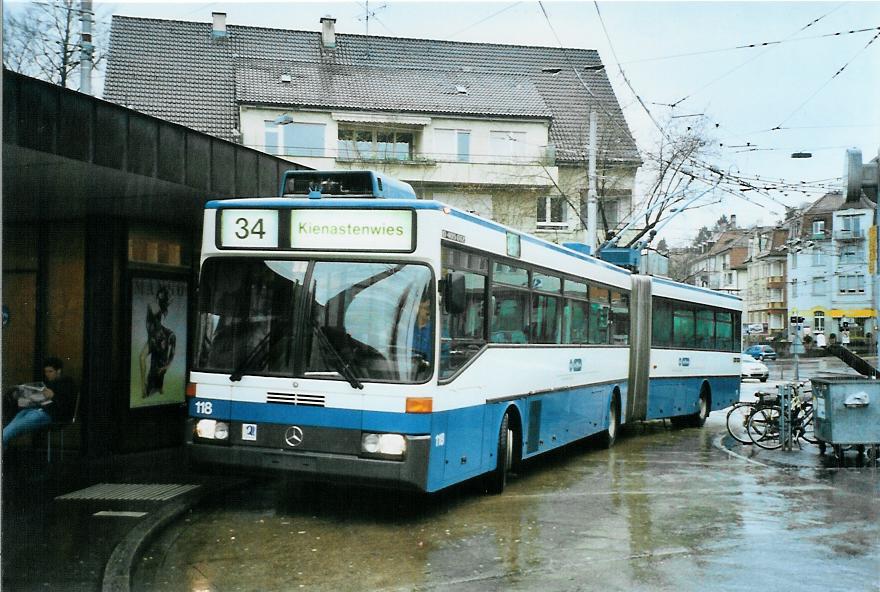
(719, 443)
(117, 572)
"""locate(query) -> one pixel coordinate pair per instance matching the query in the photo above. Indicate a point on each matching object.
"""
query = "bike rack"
(786, 394)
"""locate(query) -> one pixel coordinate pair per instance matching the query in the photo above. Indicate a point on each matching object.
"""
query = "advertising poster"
(158, 341)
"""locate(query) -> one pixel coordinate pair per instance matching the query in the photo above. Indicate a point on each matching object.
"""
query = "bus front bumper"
(409, 473)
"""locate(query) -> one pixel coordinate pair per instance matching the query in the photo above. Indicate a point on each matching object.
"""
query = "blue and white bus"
(349, 331)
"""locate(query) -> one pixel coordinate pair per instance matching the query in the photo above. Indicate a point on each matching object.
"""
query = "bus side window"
(510, 315)
(463, 334)
(619, 318)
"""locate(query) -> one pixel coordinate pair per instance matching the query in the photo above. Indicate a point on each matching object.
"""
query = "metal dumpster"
(846, 411)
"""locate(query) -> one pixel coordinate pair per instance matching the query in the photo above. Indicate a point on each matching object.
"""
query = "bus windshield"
(353, 321)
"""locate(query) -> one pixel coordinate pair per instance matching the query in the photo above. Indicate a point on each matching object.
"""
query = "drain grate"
(157, 492)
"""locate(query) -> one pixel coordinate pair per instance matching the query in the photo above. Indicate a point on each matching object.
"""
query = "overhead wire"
(827, 82)
(753, 45)
(769, 47)
(483, 20)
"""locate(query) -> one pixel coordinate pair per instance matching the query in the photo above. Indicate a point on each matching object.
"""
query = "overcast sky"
(741, 94)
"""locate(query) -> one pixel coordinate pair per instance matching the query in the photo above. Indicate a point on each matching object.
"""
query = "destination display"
(317, 230)
(352, 230)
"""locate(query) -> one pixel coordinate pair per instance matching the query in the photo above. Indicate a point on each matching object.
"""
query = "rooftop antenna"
(368, 13)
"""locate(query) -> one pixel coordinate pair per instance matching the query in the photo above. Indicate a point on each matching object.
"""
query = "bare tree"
(42, 39)
(672, 180)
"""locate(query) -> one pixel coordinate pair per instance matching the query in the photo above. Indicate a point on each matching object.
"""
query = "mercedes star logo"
(293, 436)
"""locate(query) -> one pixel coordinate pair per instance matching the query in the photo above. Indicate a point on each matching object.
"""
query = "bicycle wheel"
(805, 429)
(738, 421)
(763, 428)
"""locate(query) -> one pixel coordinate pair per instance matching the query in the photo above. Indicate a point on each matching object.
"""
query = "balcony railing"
(849, 235)
(775, 281)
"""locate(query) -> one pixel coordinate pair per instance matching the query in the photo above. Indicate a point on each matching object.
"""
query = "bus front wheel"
(497, 480)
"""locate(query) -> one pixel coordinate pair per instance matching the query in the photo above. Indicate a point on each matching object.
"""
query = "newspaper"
(31, 394)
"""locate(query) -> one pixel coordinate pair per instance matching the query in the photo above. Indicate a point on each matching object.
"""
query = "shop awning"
(857, 313)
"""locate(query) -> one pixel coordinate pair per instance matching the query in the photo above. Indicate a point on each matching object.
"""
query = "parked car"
(752, 368)
(761, 352)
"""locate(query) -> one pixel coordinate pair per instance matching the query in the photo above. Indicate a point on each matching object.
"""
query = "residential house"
(765, 294)
(829, 283)
(500, 130)
(721, 261)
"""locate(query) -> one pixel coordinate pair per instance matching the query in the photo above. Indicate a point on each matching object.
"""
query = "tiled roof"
(728, 240)
(353, 87)
(177, 71)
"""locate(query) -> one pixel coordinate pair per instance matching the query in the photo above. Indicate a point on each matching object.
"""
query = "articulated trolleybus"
(349, 331)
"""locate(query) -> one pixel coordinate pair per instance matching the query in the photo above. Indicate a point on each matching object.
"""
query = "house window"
(776, 321)
(294, 139)
(507, 146)
(794, 260)
(852, 224)
(818, 227)
(818, 258)
(818, 321)
(452, 145)
(850, 254)
(794, 289)
(851, 284)
(375, 144)
(818, 286)
(552, 212)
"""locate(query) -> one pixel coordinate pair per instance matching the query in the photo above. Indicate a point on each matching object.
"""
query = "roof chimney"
(328, 32)
(733, 220)
(219, 24)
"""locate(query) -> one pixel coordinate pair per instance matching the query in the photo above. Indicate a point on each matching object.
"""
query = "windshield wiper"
(238, 373)
(343, 367)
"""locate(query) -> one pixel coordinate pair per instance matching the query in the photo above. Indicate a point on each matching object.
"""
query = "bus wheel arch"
(508, 451)
(704, 407)
(609, 436)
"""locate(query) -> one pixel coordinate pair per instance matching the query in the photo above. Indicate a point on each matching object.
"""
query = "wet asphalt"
(665, 509)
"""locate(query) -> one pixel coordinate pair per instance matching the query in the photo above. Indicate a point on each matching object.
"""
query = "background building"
(829, 282)
(765, 301)
(500, 130)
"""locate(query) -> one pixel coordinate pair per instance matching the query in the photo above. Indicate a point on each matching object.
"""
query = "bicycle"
(739, 415)
(764, 424)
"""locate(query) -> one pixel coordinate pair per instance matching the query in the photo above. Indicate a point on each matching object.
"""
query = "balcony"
(774, 306)
(849, 235)
(776, 281)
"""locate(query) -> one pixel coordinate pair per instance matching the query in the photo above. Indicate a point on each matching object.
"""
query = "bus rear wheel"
(609, 436)
(497, 479)
(695, 420)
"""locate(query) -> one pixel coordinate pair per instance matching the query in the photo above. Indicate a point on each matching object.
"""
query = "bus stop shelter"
(101, 203)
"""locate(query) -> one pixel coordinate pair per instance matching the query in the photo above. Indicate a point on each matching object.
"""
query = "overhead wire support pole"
(86, 48)
(592, 195)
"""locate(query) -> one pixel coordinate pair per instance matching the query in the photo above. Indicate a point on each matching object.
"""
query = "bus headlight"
(211, 429)
(221, 432)
(384, 444)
